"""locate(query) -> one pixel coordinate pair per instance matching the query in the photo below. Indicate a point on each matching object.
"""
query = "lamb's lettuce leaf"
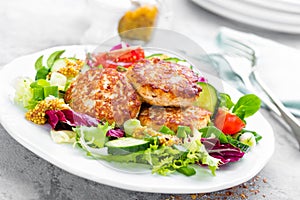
(225, 101)
(246, 106)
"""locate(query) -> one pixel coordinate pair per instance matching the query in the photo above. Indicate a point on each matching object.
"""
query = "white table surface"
(31, 25)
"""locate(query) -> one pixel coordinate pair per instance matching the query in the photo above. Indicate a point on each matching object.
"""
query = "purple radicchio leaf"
(226, 152)
(119, 46)
(116, 133)
(202, 79)
(66, 119)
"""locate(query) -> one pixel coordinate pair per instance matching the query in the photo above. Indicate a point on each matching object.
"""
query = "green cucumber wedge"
(208, 98)
(53, 57)
(126, 145)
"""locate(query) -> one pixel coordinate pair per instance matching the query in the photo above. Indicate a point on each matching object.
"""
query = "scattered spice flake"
(255, 191)
(243, 196)
(172, 197)
(200, 194)
(193, 196)
(264, 180)
(243, 191)
(178, 198)
(256, 178)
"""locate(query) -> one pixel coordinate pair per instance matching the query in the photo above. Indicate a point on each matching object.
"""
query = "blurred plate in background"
(257, 14)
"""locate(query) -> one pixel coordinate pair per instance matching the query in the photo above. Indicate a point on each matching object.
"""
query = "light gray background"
(31, 25)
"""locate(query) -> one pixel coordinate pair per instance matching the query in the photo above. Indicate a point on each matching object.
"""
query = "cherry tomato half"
(228, 122)
(123, 57)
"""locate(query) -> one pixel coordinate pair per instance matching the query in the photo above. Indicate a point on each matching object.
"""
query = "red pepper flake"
(243, 191)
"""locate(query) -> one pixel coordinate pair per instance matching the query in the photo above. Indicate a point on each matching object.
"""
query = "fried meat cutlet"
(156, 116)
(164, 83)
(104, 94)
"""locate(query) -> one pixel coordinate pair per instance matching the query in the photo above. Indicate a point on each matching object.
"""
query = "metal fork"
(240, 49)
(243, 71)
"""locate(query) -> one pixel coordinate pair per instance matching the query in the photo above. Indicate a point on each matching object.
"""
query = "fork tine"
(240, 45)
(237, 48)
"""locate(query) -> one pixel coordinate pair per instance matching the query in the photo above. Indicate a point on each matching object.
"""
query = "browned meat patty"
(155, 117)
(104, 94)
(164, 83)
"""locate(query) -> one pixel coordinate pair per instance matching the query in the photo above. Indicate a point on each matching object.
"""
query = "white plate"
(245, 13)
(259, 12)
(279, 5)
(37, 139)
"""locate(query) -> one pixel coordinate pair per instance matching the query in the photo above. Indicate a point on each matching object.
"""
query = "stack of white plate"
(276, 15)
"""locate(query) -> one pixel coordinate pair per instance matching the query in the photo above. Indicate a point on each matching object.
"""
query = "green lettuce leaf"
(93, 136)
(163, 159)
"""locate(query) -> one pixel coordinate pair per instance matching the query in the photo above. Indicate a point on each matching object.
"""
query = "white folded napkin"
(278, 65)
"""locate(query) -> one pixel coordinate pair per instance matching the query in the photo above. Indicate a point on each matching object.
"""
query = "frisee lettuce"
(163, 159)
(23, 93)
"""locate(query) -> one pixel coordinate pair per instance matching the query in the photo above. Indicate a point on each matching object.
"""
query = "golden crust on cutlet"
(164, 83)
(104, 94)
(156, 116)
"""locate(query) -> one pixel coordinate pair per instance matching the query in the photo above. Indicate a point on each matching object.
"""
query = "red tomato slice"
(228, 123)
(123, 57)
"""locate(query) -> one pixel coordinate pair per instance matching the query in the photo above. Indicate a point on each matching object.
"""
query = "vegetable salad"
(224, 139)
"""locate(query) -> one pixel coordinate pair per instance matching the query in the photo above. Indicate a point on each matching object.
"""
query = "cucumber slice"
(61, 62)
(126, 145)
(130, 125)
(59, 80)
(58, 64)
(208, 98)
